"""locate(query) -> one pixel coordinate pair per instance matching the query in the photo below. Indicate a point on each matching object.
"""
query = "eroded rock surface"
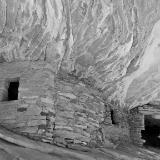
(77, 61)
(114, 43)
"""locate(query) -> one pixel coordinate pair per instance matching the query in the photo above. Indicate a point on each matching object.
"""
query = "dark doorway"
(13, 91)
(113, 117)
(151, 134)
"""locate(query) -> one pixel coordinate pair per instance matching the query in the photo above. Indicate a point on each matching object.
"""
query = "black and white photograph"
(79, 79)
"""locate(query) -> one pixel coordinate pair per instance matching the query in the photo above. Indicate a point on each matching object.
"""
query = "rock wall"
(79, 112)
(114, 43)
(76, 60)
(60, 109)
(56, 109)
(28, 114)
(136, 123)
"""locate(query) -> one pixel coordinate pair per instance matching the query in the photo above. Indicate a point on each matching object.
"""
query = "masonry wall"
(50, 110)
(79, 113)
(57, 109)
(29, 114)
(136, 124)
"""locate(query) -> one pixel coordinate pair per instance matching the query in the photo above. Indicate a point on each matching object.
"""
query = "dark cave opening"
(151, 134)
(13, 90)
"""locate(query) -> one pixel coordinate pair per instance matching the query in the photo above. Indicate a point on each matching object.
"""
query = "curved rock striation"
(114, 43)
(79, 58)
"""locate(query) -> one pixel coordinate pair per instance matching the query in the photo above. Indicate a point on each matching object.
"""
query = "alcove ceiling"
(114, 43)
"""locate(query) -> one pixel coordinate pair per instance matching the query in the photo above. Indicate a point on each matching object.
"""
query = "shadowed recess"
(13, 91)
(151, 133)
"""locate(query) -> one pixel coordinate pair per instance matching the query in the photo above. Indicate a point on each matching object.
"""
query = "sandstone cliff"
(77, 62)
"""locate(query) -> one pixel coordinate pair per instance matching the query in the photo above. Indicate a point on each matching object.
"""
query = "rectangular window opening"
(13, 90)
(112, 117)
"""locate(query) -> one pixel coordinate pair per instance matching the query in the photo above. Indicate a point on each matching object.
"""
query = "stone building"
(36, 103)
(26, 97)
(144, 122)
(64, 110)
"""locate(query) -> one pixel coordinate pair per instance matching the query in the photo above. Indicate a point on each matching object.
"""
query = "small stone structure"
(137, 121)
(29, 113)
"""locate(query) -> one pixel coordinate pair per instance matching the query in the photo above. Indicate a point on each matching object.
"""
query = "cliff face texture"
(81, 67)
(112, 43)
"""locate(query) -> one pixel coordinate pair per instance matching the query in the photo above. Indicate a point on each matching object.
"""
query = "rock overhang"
(110, 46)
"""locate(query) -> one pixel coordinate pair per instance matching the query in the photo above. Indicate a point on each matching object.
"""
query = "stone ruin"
(64, 110)
(144, 124)
(79, 73)
(55, 109)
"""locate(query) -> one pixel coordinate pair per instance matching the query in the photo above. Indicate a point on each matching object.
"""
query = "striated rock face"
(78, 62)
(113, 43)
